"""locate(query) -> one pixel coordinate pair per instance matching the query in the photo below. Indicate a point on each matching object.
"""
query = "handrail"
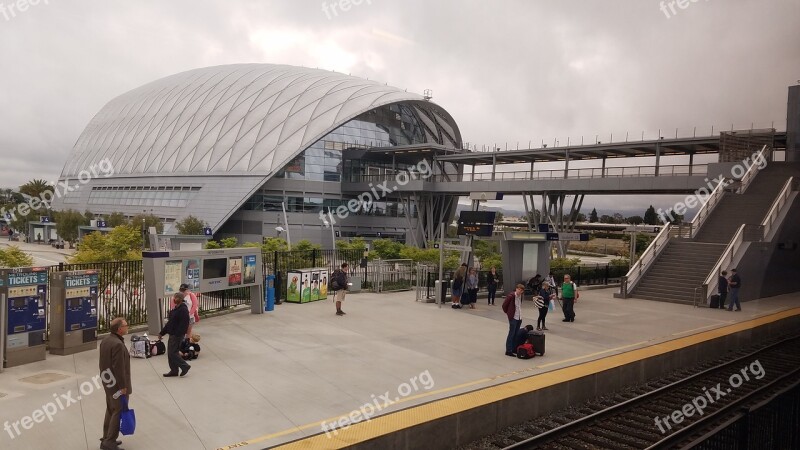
(777, 205)
(708, 207)
(712, 280)
(647, 259)
(752, 170)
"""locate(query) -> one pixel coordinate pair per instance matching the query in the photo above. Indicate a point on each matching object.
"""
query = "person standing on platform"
(192, 305)
(114, 359)
(457, 287)
(491, 284)
(176, 327)
(734, 283)
(722, 288)
(512, 306)
(569, 295)
(542, 300)
(472, 287)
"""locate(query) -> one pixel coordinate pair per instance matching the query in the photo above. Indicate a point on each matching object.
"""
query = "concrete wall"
(793, 124)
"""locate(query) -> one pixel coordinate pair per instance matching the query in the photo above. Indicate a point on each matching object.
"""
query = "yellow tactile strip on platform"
(389, 423)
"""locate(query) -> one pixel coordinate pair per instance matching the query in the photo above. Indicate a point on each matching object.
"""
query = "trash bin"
(270, 284)
(441, 290)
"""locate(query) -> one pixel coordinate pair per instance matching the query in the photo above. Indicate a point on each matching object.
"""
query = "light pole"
(286, 224)
(333, 236)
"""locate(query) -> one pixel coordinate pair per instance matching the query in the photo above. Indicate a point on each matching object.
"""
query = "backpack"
(157, 348)
(140, 347)
(334, 283)
(525, 351)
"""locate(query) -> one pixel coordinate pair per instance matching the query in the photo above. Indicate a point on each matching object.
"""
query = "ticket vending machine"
(23, 296)
(73, 311)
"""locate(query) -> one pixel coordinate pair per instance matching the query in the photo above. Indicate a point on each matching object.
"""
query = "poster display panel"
(293, 289)
(172, 277)
(306, 287)
(323, 286)
(235, 271)
(249, 269)
(191, 273)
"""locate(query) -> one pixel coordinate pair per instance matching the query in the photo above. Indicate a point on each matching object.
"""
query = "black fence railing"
(282, 262)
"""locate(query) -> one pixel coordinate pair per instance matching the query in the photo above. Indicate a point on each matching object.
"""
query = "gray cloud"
(510, 71)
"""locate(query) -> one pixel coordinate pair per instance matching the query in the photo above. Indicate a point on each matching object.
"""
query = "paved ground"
(266, 379)
(43, 254)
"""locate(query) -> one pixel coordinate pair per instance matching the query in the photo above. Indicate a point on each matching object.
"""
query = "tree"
(635, 220)
(650, 216)
(12, 256)
(618, 218)
(116, 219)
(593, 216)
(229, 242)
(67, 223)
(354, 244)
(123, 243)
(36, 188)
(149, 221)
(535, 216)
(274, 244)
(191, 225)
(581, 217)
(305, 244)
(677, 219)
(387, 248)
(605, 218)
(498, 217)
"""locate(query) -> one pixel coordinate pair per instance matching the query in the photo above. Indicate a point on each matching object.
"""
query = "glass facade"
(170, 196)
(266, 200)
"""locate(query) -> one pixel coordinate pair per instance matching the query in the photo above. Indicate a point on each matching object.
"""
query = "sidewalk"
(266, 379)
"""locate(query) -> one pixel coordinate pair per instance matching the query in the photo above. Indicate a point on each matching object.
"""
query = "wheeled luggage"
(714, 301)
(536, 338)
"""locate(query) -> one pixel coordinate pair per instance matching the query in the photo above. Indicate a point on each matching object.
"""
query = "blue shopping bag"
(551, 307)
(127, 419)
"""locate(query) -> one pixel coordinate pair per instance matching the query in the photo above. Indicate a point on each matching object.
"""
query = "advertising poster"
(315, 279)
(249, 269)
(293, 287)
(172, 276)
(306, 285)
(323, 286)
(235, 271)
(191, 273)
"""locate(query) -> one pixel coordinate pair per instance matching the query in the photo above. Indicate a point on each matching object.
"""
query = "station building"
(235, 145)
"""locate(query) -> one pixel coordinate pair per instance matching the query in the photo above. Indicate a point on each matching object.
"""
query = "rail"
(647, 259)
(748, 176)
(708, 207)
(712, 280)
(777, 206)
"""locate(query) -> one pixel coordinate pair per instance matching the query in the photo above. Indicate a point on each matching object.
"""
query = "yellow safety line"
(398, 420)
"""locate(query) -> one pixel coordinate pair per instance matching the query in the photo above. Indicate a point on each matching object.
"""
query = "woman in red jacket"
(512, 306)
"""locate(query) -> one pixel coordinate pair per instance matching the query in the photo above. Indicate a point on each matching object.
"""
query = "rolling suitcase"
(536, 338)
(714, 301)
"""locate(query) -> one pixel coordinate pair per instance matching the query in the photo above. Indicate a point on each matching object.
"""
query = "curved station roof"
(242, 118)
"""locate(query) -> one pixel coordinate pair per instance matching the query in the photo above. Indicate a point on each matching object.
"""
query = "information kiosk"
(204, 271)
(73, 311)
(23, 297)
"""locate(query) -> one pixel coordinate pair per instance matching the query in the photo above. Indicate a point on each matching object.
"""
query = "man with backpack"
(339, 283)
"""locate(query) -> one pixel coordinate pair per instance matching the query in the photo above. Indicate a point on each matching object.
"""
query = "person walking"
(340, 287)
(722, 288)
(734, 283)
(176, 327)
(512, 306)
(542, 301)
(472, 287)
(115, 366)
(491, 285)
(552, 282)
(192, 305)
(569, 294)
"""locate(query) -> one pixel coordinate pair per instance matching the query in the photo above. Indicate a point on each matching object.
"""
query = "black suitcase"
(714, 301)
(536, 338)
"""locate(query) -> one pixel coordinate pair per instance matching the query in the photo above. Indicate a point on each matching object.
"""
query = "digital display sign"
(475, 230)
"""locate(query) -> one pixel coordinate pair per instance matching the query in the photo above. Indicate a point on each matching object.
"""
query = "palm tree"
(35, 188)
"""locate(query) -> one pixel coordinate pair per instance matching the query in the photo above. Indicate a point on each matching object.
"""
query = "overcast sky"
(508, 71)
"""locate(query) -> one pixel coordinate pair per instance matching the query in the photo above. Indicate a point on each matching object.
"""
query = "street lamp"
(330, 225)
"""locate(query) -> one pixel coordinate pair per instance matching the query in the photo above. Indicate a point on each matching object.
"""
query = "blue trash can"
(270, 284)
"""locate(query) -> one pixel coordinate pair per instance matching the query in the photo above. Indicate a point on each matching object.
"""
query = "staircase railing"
(777, 206)
(705, 210)
(647, 259)
(748, 176)
(712, 280)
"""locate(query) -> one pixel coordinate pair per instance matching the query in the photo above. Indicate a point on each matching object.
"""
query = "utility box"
(73, 311)
(23, 297)
(307, 285)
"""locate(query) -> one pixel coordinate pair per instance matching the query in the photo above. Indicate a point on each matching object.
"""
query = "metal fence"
(282, 262)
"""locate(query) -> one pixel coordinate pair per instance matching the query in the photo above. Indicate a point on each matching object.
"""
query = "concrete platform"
(262, 380)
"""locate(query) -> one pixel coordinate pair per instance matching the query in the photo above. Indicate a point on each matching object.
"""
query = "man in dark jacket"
(176, 327)
(722, 288)
(512, 306)
(115, 371)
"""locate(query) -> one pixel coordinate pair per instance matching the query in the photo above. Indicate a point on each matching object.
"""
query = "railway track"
(665, 413)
